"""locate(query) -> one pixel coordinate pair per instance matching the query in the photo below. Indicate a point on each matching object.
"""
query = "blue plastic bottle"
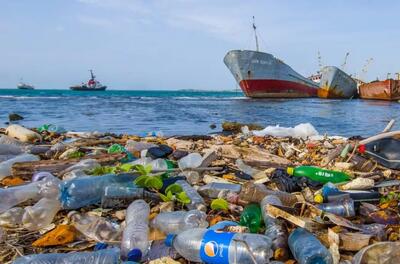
(83, 191)
(307, 249)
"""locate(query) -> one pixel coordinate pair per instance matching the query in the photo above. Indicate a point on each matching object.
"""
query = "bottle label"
(215, 247)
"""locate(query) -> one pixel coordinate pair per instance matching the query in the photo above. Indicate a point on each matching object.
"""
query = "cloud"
(95, 21)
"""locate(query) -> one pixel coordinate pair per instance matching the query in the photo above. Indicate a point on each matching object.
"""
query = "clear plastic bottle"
(105, 256)
(307, 249)
(209, 246)
(246, 168)
(95, 227)
(135, 241)
(196, 201)
(9, 149)
(193, 160)
(48, 185)
(83, 191)
(117, 195)
(218, 189)
(12, 217)
(86, 164)
(13, 196)
(192, 177)
(178, 221)
(274, 228)
(344, 207)
(137, 146)
(41, 214)
(5, 166)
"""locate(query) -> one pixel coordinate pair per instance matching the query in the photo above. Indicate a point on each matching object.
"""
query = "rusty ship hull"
(381, 90)
(336, 84)
(261, 75)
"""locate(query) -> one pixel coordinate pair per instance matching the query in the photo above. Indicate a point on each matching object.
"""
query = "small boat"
(381, 90)
(91, 85)
(24, 86)
(336, 84)
(262, 75)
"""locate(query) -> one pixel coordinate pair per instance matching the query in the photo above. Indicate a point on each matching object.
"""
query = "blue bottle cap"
(169, 239)
(135, 255)
(100, 246)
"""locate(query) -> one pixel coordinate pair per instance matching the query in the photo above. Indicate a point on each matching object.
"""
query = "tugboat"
(91, 85)
(25, 86)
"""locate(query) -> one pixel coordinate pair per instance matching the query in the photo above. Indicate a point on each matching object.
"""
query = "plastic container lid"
(169, 239)
(290, 170)
(135, 255)
(100, 246)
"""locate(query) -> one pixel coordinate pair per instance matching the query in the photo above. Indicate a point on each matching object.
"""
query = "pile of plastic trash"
(277, 195)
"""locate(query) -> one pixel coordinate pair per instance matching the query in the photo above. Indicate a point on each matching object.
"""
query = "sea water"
(189, 112)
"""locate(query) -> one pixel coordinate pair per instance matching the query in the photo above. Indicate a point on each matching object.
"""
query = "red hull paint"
(277, 88)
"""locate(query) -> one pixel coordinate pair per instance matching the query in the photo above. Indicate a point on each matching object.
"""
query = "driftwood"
(95, 142)
(25, 170)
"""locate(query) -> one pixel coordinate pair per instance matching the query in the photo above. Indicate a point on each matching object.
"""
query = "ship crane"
(345, 61)
(320, 65)
(365, 68)
(255, 33)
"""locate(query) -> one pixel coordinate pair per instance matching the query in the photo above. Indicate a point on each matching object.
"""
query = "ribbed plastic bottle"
(95, 227)
(105, 256)
(179, 221)
(135, 241)
(307, 249)
(254, 193)
(196, 201)
(274, 228)
(209, 246)
(218, 189)
(117, 195)
(318, 174)
(83, 191)
(41, 214)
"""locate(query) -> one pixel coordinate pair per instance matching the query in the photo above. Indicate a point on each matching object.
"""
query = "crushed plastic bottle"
(83, 191)
(5, 166)
(192, 177)
(209, 246)
(41, 214)
(307, 249)
(83, 165)
(196, 201)
(105, 256)
(246, 168)
(135, 242)
(179, 221)
(117, 195)
(193, 160)
(138, 146)
(12, 217)
(43, 187)
(218, 189)
(95, 227)
(274, 228)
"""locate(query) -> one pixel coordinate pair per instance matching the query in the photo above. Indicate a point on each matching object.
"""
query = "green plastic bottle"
(318, 174)
(251, 217)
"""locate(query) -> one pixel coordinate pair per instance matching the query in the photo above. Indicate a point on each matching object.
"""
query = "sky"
(180, 44)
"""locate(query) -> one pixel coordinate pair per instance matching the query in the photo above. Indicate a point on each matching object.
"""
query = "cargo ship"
(336, 84)
(261, 75)
(91, 85)
(381, 90)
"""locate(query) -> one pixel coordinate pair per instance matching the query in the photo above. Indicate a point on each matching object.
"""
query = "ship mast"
(255, 33)
(91, 74)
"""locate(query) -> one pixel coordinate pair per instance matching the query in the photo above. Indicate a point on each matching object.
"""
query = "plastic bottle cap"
(100, 246)
(135, 255)
(169, 239)
(290, 170)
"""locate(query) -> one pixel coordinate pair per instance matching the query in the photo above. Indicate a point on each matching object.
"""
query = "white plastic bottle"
(135, 242)
(179, 221)
(209, 246)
